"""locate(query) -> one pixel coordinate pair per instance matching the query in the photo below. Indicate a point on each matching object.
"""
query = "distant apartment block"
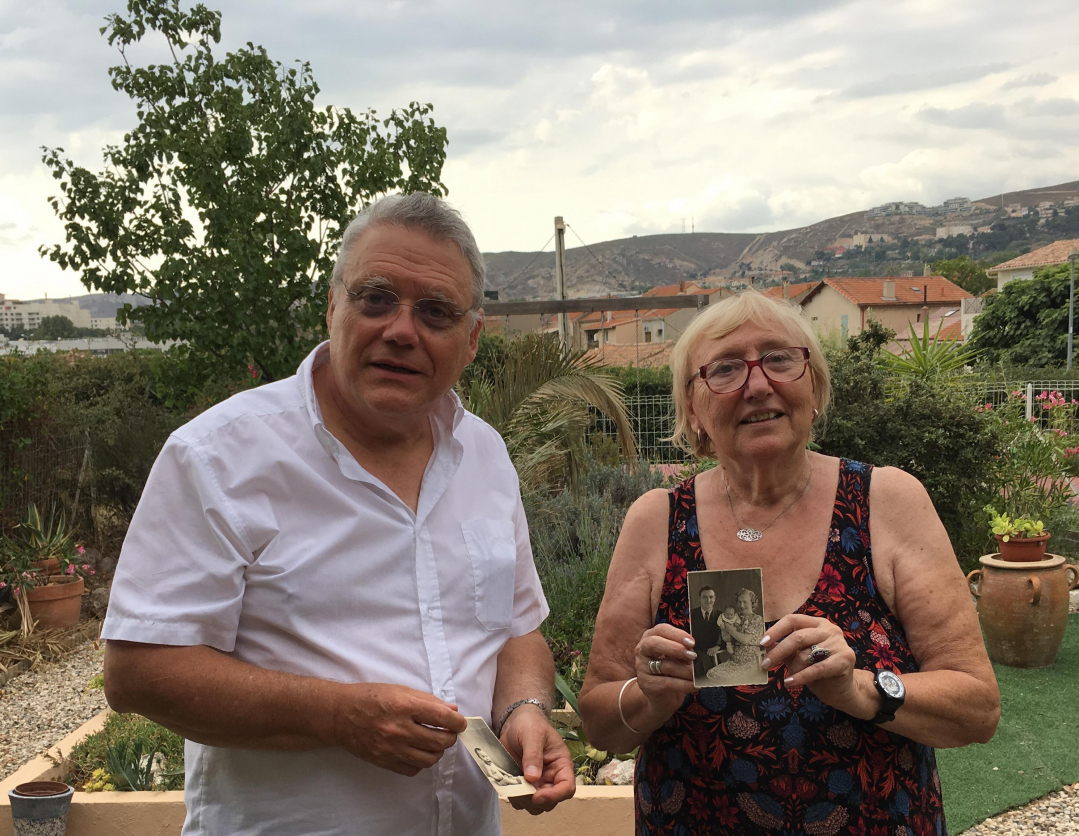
(28, 315)
(952, 206)
(958, 206)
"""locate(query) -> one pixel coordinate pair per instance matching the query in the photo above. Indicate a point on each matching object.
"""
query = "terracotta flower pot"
(1023, 549)
(56, 605)
(1023, 608)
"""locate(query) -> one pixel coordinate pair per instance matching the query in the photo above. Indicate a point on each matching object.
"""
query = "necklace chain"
(752, 535)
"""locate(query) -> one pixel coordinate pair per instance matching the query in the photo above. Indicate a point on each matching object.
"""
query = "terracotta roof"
(949, 324)
(1055, 253)
(642, 355)
(869, 291)
(796, 289)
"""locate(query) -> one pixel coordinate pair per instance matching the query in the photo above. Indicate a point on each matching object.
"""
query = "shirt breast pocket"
(492, 548)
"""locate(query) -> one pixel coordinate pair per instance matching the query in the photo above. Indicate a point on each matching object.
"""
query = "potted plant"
(1022, 540)
(43, 567)
(40, 807)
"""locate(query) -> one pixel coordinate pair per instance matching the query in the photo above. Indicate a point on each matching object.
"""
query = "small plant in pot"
(1021, 539)
(42, 566)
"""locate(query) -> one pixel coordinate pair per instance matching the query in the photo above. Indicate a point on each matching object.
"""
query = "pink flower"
(71, 568)
(17, 590)
(80, 549)
(3, 585)
(86, 567)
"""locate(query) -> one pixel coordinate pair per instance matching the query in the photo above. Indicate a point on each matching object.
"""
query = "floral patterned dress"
(771, 760)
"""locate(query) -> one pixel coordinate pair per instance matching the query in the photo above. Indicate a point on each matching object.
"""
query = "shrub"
(122, 735)
(573, 537)
(932, 429)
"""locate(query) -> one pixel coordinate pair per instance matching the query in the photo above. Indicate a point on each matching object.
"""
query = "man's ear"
(474, 336)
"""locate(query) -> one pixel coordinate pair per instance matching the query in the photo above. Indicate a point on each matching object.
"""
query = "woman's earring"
(816, 414)
(700, 437)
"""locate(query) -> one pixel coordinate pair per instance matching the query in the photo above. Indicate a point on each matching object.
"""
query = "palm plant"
(927, 356)
(539, 399)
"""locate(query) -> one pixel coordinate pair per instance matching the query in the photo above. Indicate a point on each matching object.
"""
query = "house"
(862, 239)
(793, 291)
(1024, 266)
(656, 325)
(946, 326)
(954, 229)
(843, 305)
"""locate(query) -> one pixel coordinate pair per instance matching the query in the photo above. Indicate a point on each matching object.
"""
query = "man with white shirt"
(327, 574)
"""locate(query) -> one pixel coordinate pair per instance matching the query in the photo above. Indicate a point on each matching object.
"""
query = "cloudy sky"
(625, 117)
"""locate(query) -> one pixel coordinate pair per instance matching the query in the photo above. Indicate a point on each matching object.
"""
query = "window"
(919, 319)
(648, 336)
(845, 326)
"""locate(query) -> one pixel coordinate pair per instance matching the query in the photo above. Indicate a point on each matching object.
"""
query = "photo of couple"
(727, 625)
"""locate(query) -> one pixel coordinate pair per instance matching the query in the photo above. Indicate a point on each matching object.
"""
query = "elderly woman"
(871, 641)
(750, 628)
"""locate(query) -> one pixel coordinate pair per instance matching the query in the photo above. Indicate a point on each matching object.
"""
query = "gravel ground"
(44, 705)
(1057, 813)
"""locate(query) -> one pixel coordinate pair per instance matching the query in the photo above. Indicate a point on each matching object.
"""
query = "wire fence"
(652, 416)
(40, 464)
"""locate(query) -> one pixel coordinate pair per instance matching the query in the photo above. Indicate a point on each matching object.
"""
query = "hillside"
(632, 265)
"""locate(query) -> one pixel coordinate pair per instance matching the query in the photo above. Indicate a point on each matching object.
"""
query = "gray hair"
(420, 211)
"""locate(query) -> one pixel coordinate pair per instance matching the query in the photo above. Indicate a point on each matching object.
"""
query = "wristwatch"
(892, 693)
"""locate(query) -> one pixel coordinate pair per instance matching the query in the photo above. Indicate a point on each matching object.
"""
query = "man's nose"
(401, 326)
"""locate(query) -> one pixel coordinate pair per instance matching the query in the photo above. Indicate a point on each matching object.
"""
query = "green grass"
(1036, 747)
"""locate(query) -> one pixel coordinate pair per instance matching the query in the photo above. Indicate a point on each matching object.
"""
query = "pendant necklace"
(752, 535)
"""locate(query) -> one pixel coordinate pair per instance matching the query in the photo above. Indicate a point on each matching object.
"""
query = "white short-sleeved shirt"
(259, 534)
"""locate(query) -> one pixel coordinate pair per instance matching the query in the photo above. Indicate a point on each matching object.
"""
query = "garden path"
(42, 706)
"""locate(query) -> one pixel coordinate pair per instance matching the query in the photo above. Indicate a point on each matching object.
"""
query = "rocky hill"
(632, 265)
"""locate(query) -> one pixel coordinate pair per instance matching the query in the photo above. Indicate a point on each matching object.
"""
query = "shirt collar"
(448, 411)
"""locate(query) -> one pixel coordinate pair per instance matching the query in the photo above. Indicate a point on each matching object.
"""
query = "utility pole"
(560, 276)
(1071, 306)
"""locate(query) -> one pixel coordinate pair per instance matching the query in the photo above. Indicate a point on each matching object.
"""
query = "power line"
(533, 261)
(599, 261)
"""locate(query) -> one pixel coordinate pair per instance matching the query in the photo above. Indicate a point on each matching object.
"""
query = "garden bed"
(598, 811)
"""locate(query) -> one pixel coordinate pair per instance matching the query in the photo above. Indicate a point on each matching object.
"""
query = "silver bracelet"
(513, 707)
(620, 714)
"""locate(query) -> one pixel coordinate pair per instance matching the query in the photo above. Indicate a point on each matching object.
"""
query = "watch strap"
(888, 706)
(513, 707)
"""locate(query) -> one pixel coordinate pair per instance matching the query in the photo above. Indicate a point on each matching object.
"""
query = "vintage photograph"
(493, 759)
(726, 619)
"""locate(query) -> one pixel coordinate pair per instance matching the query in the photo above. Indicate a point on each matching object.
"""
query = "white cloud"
(741, 116)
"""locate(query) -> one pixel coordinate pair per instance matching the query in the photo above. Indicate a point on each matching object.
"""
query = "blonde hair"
(717, 321)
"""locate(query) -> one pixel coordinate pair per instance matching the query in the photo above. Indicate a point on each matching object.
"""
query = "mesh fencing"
(39, 463)
(652, 416)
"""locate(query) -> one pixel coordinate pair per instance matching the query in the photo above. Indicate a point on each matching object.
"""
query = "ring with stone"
(656, 666)
(818, 654)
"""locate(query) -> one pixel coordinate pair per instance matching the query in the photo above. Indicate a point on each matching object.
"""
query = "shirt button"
(444, 693)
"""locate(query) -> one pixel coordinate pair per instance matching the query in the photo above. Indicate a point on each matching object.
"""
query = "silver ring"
(656, 666)
(818, 654)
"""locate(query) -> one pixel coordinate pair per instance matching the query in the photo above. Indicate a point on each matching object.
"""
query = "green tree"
(223, 206)
(1026, 324)
(55, 328)
(968, 274)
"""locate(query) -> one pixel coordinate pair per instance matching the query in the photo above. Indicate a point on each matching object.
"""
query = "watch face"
(891, 684)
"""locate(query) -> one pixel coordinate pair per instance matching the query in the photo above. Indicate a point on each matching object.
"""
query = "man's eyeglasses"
(377, 303)
(728, 374)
